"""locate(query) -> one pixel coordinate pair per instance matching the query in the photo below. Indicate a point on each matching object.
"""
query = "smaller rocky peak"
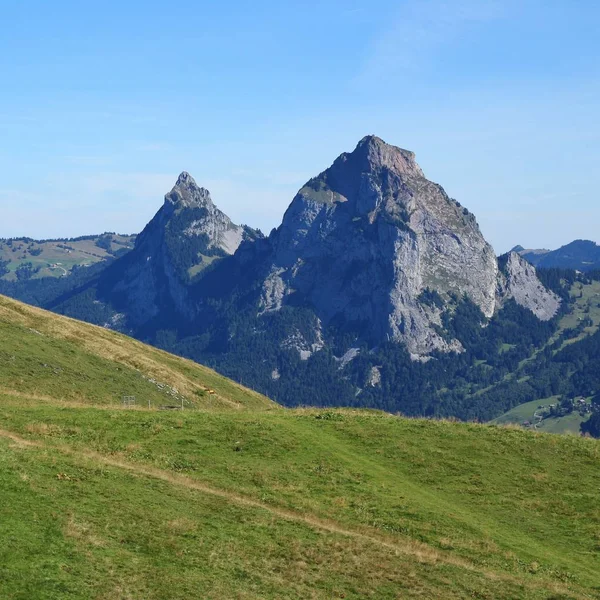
(187, 194)
(512, 264)
(517, 279)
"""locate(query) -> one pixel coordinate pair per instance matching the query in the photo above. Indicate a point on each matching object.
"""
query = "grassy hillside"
(50, 356)
(238, 499)
(529, 413)
(56, 258)
(583, 319)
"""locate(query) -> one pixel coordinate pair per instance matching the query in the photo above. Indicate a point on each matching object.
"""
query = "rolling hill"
(45, 355)
(235, 497)
(583, 255)
(22, 259)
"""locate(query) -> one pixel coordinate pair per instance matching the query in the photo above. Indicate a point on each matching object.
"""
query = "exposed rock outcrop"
(374, 377)
(517, 279)
(209, 221)
(363, 240)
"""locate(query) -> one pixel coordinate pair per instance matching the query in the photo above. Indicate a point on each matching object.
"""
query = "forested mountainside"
(377, 290)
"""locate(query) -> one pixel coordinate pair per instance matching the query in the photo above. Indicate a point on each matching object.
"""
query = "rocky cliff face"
(518, 280)
(203, 218)
(364, 240)
(370, 245)
(187, 234)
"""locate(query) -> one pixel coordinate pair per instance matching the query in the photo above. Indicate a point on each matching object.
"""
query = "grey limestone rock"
(518, 280)
(364, 239)
(222, 233)
(370, 242)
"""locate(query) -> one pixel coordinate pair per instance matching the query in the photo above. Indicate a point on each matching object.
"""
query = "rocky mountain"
(150, 285)
(187, 235)
(583, 255)
(377, 289)
(371, 239)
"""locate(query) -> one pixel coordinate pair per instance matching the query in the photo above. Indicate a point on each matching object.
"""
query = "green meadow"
(234, 497)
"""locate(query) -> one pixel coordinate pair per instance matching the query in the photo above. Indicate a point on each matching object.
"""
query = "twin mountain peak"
(370, 244)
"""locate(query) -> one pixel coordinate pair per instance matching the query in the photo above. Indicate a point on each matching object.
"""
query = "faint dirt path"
(418, 550)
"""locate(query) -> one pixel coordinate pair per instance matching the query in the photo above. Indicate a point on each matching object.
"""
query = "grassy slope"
(100, 502)
(569, 424)
(63, 254)
(53, 356)
(586, 305)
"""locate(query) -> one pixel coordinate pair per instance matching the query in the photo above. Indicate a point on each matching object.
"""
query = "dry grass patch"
(51, 430)
(181, 525)
(82, 532)
(43, 429)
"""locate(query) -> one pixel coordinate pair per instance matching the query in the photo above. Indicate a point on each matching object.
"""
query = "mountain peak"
(363, 240)
(375, 153)
(187, 194)
(372, 140)
(185, 179)
(367, 167)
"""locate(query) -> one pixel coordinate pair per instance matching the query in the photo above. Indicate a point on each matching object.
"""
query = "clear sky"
(104, 103)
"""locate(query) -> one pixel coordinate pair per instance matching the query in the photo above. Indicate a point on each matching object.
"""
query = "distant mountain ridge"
(24, 258)
(582, 255)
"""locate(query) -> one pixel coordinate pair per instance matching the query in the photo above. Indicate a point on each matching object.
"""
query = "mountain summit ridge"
(377, 152)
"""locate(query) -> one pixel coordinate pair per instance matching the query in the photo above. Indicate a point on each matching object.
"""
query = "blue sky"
(104, 103)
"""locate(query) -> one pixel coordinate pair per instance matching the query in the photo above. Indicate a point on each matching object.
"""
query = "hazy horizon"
(264, 230)
(108, 104)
